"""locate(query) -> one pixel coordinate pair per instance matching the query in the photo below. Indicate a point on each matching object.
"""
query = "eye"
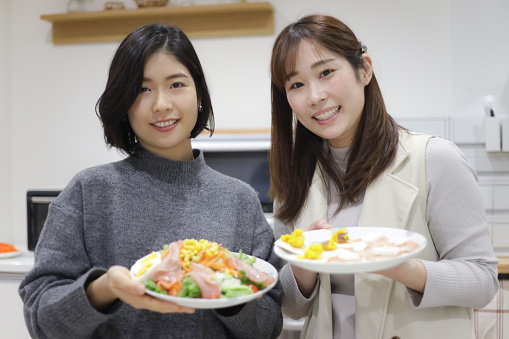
(296, 85)
(177, 85)
(144, 89)
(326, 73)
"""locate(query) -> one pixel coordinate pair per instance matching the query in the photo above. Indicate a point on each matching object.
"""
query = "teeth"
(328, 114)
(164, 124)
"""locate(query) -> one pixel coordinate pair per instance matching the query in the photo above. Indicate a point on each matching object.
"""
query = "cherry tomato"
(253, 287)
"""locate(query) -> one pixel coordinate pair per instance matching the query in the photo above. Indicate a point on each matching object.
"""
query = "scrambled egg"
(296, 239)
(313, 252)
(341, 236)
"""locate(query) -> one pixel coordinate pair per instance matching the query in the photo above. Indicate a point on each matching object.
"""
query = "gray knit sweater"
(114, 214)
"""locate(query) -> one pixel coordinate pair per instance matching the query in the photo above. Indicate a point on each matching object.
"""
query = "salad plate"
(200, 303)
(295, 256)
(5, 255)
(188, 268)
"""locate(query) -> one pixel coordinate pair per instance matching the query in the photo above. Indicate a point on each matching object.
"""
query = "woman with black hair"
(156, 99)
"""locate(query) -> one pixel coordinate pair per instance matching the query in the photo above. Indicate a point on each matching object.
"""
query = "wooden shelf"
(251, 18)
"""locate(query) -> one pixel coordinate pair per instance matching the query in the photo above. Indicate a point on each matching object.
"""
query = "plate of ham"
(202, 274)
(350, 249)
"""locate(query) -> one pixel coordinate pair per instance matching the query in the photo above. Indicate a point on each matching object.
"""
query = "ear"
(366, 70)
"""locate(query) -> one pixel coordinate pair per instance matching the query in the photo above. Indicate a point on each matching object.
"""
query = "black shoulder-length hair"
(126, 77)
(295, 151)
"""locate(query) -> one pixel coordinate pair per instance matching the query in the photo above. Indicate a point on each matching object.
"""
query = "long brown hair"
(296, 151)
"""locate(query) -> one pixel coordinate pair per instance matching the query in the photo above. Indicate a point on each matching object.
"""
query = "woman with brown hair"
(339, 159)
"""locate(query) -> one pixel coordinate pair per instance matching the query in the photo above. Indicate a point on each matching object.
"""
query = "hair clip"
(364, 48)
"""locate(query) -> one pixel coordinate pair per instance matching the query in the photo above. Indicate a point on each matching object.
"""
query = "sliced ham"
(203, 277)
(169, 269)
(252, 273)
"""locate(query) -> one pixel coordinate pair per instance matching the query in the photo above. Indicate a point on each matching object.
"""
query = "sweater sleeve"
(259, 318)
(295, 305)
(466, 273)
(53, 292)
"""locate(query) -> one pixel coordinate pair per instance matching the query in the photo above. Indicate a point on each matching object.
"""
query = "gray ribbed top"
(456, 218)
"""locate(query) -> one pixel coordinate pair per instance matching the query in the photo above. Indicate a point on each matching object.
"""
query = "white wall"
(481, 54)
(54, 132)
(5, 126)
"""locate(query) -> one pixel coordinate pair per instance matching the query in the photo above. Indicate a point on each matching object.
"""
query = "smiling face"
(325, 93)
(166, 109)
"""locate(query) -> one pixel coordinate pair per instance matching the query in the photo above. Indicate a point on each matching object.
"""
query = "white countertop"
(18, 264)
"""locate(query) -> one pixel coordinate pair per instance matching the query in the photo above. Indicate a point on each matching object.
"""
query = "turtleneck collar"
(340, 155)
(167, 170)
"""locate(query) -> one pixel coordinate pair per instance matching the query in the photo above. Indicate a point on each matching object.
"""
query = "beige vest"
(397, 199)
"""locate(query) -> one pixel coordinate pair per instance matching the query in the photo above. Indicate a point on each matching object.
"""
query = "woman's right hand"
(306, 280)
(117, 283)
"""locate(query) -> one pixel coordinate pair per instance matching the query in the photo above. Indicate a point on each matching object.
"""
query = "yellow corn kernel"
(196, 250)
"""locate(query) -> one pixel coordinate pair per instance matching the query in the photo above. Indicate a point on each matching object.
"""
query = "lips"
(327, 115)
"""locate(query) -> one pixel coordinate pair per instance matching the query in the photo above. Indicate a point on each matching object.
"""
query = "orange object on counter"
(5, 248)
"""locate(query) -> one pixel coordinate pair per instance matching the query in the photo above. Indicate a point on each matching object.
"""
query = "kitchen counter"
(24, 262)
(20, 264)
(13, 269)
(503, 266)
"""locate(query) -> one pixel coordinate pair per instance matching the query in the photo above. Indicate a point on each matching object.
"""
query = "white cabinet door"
(501, 197)
(12, 323)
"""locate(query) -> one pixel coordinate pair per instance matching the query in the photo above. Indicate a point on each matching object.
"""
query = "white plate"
(12, 254)
(200, 303)
(355, 266)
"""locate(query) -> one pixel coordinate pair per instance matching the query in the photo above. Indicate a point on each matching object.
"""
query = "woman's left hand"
(318, 224)
(411, 273)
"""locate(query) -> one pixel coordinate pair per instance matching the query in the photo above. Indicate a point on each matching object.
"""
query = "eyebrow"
(316, 64)
(170, 77)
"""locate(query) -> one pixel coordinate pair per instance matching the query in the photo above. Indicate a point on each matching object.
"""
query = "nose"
(316, 94)
(162, 102)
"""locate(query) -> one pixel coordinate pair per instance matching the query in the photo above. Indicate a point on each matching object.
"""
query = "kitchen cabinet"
(500, 234)
(12, 271)
(12, 323)
(251, 18)
(501, 197)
